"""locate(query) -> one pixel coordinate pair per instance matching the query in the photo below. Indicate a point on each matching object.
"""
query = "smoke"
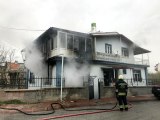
(35, 61)
(75, 73)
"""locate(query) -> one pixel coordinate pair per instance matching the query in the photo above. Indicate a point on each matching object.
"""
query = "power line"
(21, 29)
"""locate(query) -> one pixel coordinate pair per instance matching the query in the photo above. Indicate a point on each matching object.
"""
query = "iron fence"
(24, 83)
(131, 82)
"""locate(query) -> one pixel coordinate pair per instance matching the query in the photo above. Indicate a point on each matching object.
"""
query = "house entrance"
(110, 76)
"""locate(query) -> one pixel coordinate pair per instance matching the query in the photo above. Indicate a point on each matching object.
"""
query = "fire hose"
(98, 110)
(83, 113)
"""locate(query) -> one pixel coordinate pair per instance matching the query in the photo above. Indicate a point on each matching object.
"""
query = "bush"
(12, 102)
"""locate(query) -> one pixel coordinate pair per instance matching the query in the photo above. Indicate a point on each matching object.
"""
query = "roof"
(137, 49)
(14, 66)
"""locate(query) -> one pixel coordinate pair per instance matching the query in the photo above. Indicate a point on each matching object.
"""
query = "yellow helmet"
(120, 77)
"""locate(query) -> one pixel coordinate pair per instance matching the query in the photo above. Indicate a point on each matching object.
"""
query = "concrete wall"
(53, 94)
(106, 92)
(47, 94)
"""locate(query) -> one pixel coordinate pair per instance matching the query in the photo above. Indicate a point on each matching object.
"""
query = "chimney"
(93, 27)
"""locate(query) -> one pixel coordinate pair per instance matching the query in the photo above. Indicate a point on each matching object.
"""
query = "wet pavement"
(144, 110)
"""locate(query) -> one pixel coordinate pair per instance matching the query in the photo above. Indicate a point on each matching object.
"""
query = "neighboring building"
(12, 75)
(108, 54)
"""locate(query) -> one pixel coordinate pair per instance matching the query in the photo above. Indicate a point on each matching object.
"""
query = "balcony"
(120, 59)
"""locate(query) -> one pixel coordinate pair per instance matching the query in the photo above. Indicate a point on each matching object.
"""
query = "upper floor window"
(108, 48)
(62, 39)
(76, 43)
(82, 44)
(125, 52)
(69, 41)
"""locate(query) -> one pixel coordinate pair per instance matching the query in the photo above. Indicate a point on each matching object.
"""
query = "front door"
(108, 76)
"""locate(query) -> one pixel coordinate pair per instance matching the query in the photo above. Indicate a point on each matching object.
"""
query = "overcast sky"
(139, 20)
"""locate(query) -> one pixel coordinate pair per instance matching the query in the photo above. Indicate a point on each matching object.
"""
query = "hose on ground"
(53, 110)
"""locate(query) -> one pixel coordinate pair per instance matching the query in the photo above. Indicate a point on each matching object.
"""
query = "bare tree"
(6, 54)
(3, 54)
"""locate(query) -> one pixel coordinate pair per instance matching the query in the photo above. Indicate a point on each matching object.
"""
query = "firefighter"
(121, 93)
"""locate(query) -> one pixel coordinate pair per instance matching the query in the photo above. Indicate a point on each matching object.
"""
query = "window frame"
(125, 52)
(137, 76)
(108, 48)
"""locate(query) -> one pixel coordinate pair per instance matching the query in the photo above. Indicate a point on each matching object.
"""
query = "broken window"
(62, 39)
(88, 46)
(82, 44)
(69, 41)
(76, 43)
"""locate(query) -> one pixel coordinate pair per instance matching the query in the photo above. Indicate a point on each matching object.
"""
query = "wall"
(132, 91)
(53, 94)
(48, 94)
(117, 44)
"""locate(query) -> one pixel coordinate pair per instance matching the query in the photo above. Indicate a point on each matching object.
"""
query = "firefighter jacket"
(121, 88)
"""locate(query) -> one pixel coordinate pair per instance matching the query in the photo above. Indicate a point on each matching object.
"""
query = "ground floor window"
(137, 76)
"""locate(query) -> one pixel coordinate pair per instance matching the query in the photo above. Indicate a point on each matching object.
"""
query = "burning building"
(75, 56)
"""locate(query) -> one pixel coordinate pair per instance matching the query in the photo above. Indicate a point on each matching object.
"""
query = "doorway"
(110, 76)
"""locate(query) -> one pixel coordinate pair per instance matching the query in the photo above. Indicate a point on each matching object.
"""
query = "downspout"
(95, 47)
(120, 42)
(48, 70)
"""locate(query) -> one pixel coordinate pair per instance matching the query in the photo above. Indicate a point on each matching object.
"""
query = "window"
(88, 45)
(76, 43)
(69, 41)
(137, 75)
(51, 43)
(82, 44)
(125, 52)
(108, 48)
(54, 42)
(62, 39)
(124, 71)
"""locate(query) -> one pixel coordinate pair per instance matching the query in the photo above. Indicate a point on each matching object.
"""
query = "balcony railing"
(121, 59)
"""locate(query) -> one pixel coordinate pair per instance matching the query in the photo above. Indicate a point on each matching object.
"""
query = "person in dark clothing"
(121, 93)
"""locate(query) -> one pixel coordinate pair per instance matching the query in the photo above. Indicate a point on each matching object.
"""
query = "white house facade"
(106, 55)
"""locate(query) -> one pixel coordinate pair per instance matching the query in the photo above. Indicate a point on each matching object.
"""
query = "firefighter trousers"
(122, 102)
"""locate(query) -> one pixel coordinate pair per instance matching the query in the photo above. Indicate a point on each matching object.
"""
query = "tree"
(6, 54)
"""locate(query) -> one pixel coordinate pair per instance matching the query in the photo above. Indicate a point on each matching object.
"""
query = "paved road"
(148, 110)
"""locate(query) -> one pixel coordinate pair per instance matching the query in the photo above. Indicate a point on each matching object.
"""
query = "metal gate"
(94, 87)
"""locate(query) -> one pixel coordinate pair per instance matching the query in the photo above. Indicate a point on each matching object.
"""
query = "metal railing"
(45, 82)
(13, 83)
(119, 58)
(35, 83)
(39, 83)
(131, 82)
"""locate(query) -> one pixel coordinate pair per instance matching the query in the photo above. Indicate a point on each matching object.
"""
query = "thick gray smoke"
(75, 73)
(35, 61)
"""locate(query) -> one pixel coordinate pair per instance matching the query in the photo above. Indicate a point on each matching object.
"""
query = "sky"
(139, 20)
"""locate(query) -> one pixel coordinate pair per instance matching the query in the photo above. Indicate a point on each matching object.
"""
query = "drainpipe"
(120, 48)
(95, 47)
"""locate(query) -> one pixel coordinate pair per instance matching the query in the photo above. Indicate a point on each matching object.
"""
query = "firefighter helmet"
(120, 77)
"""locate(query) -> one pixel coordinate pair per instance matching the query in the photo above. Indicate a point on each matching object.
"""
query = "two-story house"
(106, 55)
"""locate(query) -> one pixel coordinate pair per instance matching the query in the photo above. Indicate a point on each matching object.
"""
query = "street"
(146, 110)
